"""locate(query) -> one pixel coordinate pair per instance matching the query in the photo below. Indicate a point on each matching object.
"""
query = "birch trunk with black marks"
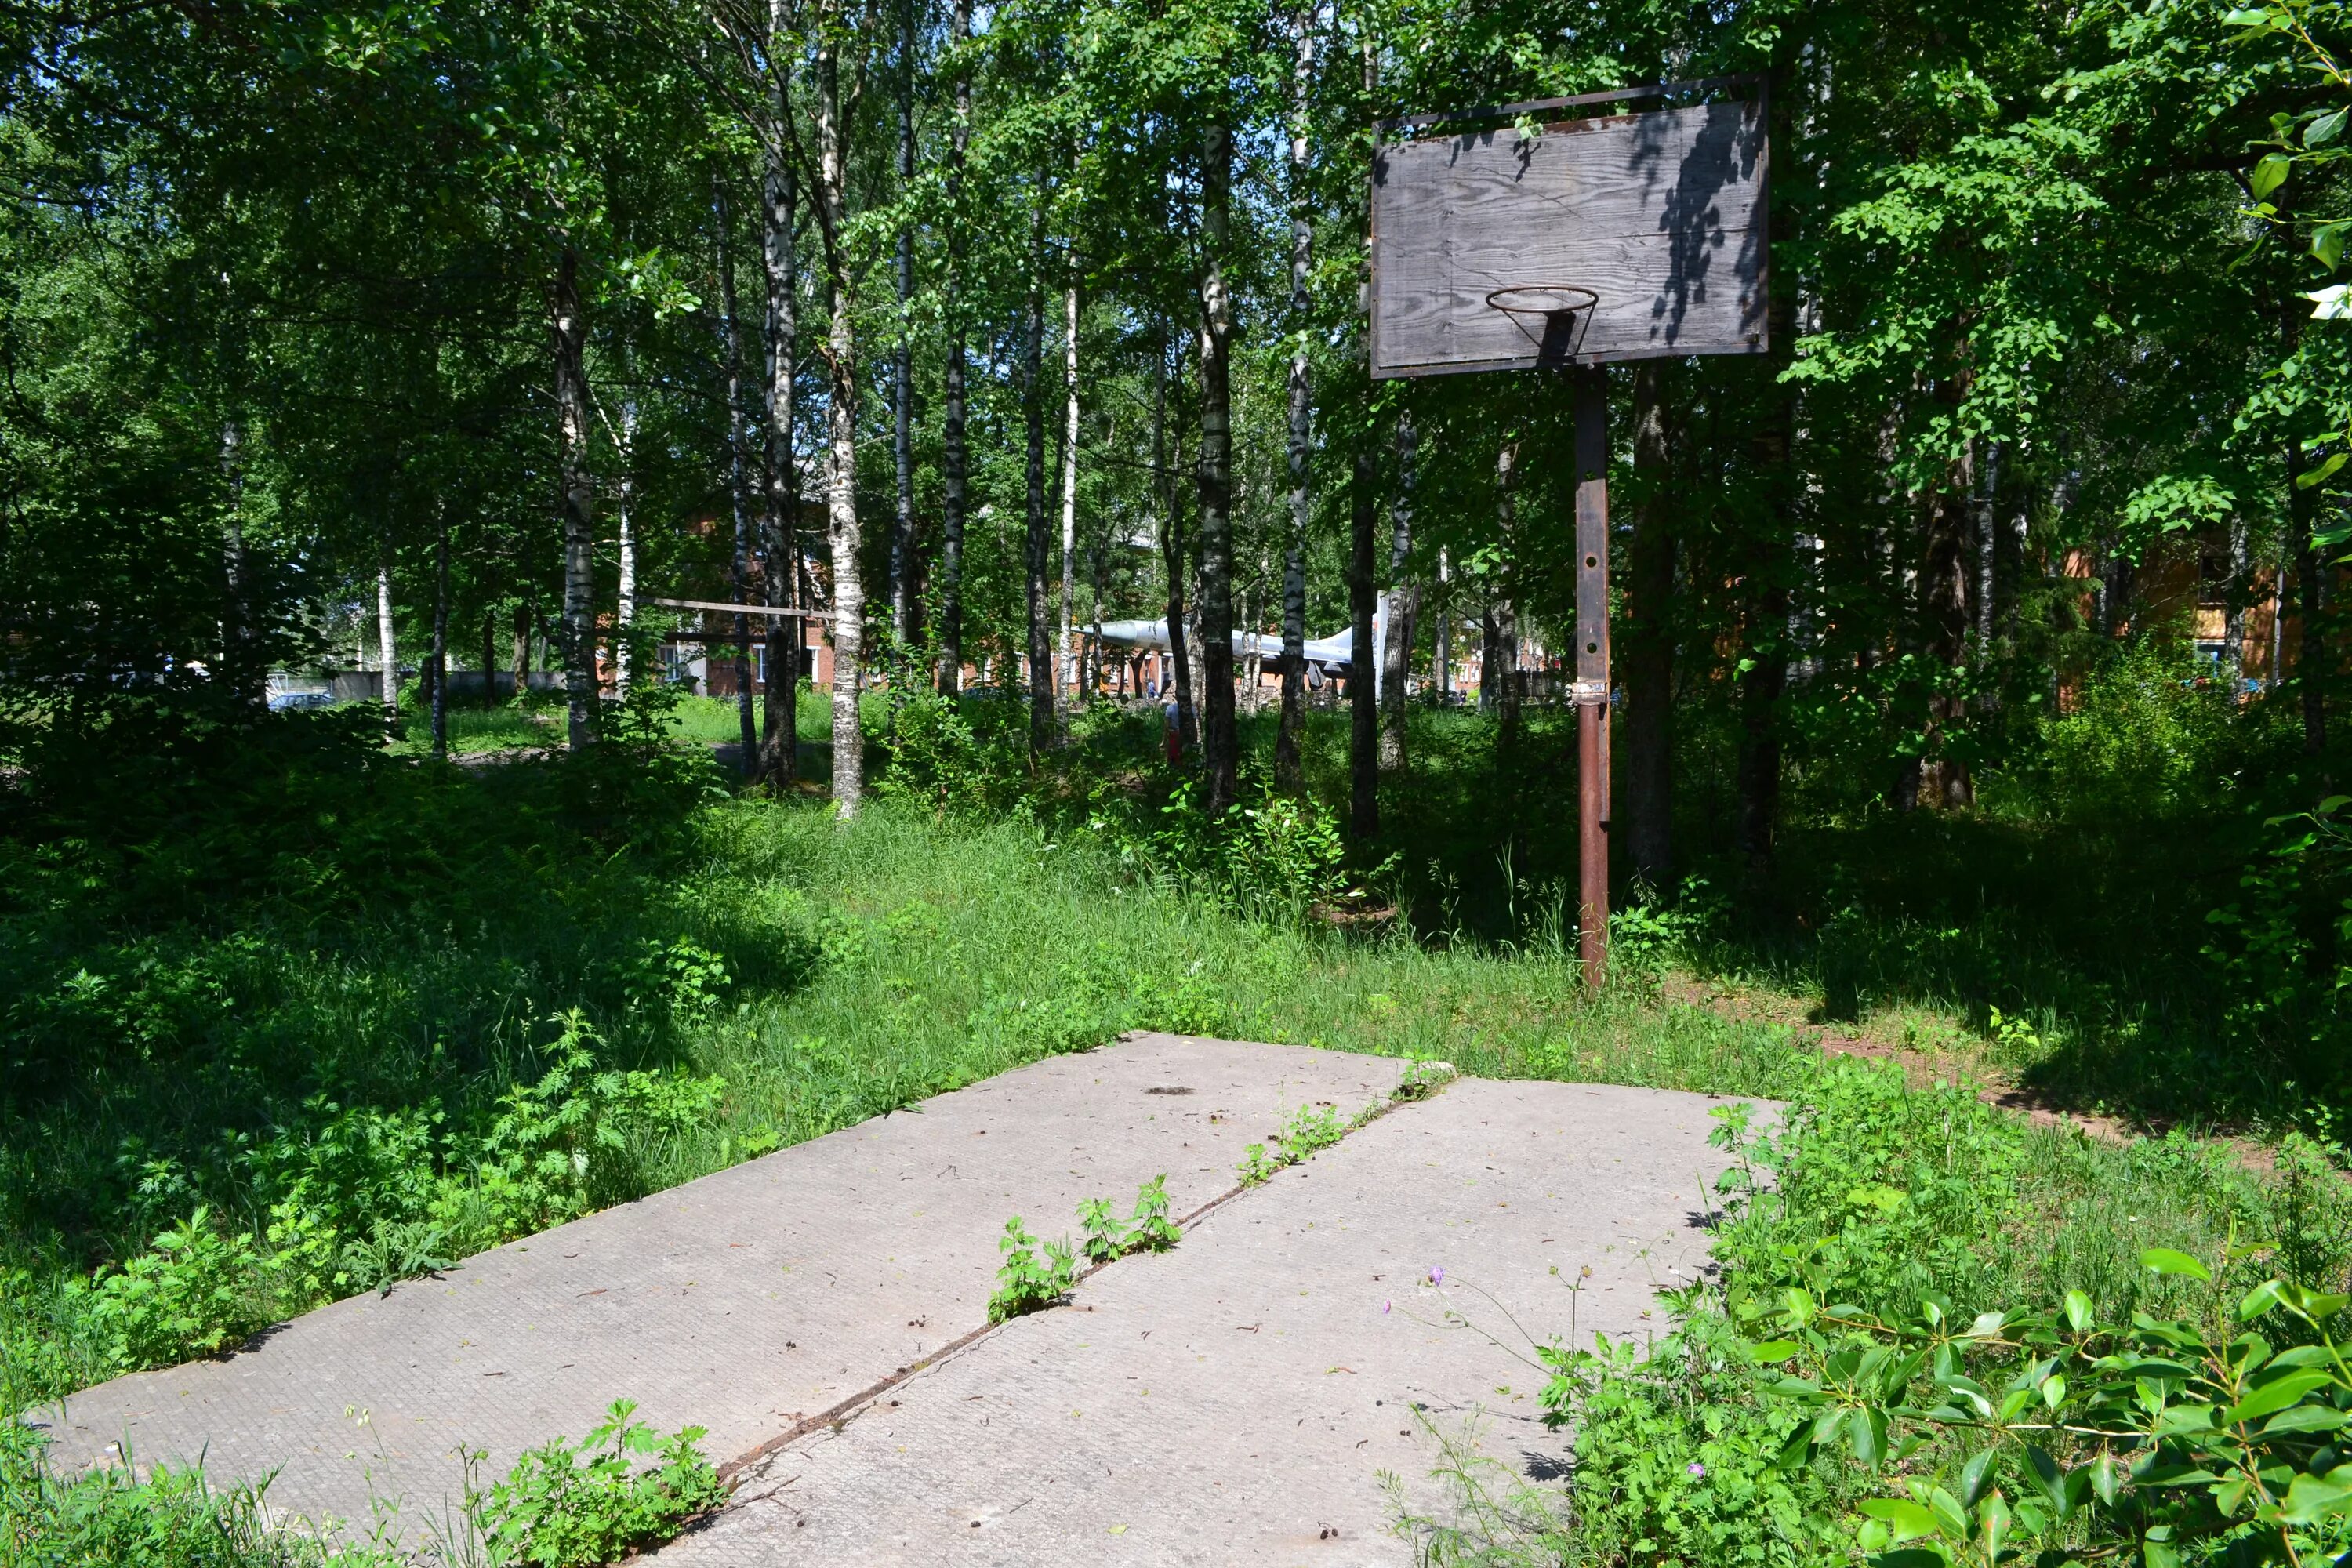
(568, 319)
(1504, 611)
(841, 427)
(1396, 641)
(1171, 552)
(1289, 767)
(902, 362)
(739, 483)
(1219, 737)
(1034, 547)
(1066, 678)
(625, 620)
(441, 636)
(387, 650)
(953, 461)
(2233, 610)
(780, 530)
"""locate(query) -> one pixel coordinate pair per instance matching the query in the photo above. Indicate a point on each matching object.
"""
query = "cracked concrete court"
(820, 1310)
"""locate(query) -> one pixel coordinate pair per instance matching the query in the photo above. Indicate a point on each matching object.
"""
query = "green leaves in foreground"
(567, 1505)
(2060, 1437)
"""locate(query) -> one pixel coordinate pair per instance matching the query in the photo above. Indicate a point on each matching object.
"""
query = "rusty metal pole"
(1591, 687)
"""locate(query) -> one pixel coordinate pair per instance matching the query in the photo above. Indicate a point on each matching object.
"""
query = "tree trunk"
(570, 324)
(2311, 646)
(1171, 551)
(1363, 712)
(1441, 653)
(1647, 643)
(387, 650)
(841, 427)
(623, 652)
(1065, 675)
(1396, 647)
(951, 437)
(490, 657)
(1034, 549)
(739, 483)
(441, 637)
(1988, 503)
(248, 674)
(902, 367)
(1506, 610)
(1220, 741)
(1944, 778)
(2234, 611)
(522, 619)
(780, 574)
(1490, 652)
(1289, 770)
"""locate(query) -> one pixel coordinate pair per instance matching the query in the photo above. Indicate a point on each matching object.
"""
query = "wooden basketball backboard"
(1660, 216)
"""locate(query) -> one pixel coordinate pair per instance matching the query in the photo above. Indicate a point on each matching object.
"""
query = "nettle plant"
(2057, 1436)
(1035, 1275)
(572, 1505)
(1309, 1129)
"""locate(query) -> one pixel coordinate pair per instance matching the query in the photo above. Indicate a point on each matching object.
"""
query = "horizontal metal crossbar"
(782, 612)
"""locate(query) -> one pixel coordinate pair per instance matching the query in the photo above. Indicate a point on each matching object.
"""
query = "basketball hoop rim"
(1497, 299)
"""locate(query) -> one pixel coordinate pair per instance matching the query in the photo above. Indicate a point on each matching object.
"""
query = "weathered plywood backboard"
(1661, 216)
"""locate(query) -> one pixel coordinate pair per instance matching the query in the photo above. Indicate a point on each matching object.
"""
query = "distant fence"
(367, 684)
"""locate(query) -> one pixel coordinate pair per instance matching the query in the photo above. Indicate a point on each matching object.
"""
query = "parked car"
(301, 702)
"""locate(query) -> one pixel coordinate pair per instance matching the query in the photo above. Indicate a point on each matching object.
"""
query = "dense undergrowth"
(293, 1019)
(1935, 1334)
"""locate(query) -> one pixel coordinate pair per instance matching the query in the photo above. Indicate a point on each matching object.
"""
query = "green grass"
(307, 947)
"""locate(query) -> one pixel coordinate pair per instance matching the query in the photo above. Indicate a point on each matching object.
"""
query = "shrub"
(2146, 736)
(561, 1147)
(574, 1505)
(174, 1519)
(1031, 1278)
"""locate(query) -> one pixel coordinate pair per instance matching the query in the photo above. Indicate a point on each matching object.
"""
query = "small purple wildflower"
(1437, 1274)
(1384, 1308)
(1694, 1469)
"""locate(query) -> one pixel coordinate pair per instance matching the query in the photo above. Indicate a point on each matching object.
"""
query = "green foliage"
(173, 1519)
(567, 1143)
(576, 1505)
(1103, 1236)
(2283, 948)
(1869, 1190)
(2183, 1441)
(1031, 1278)
(1310, 1127)
(360, 1199)
(1148, 1230)
(1422, 1079)
(1257, 1166)
(2163, 1407)
(1679, 1454)
(1151, 1228)
(2146, 735)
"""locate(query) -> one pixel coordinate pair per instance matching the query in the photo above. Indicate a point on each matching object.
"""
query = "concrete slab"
(748, 1301)
(1235, 1400)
